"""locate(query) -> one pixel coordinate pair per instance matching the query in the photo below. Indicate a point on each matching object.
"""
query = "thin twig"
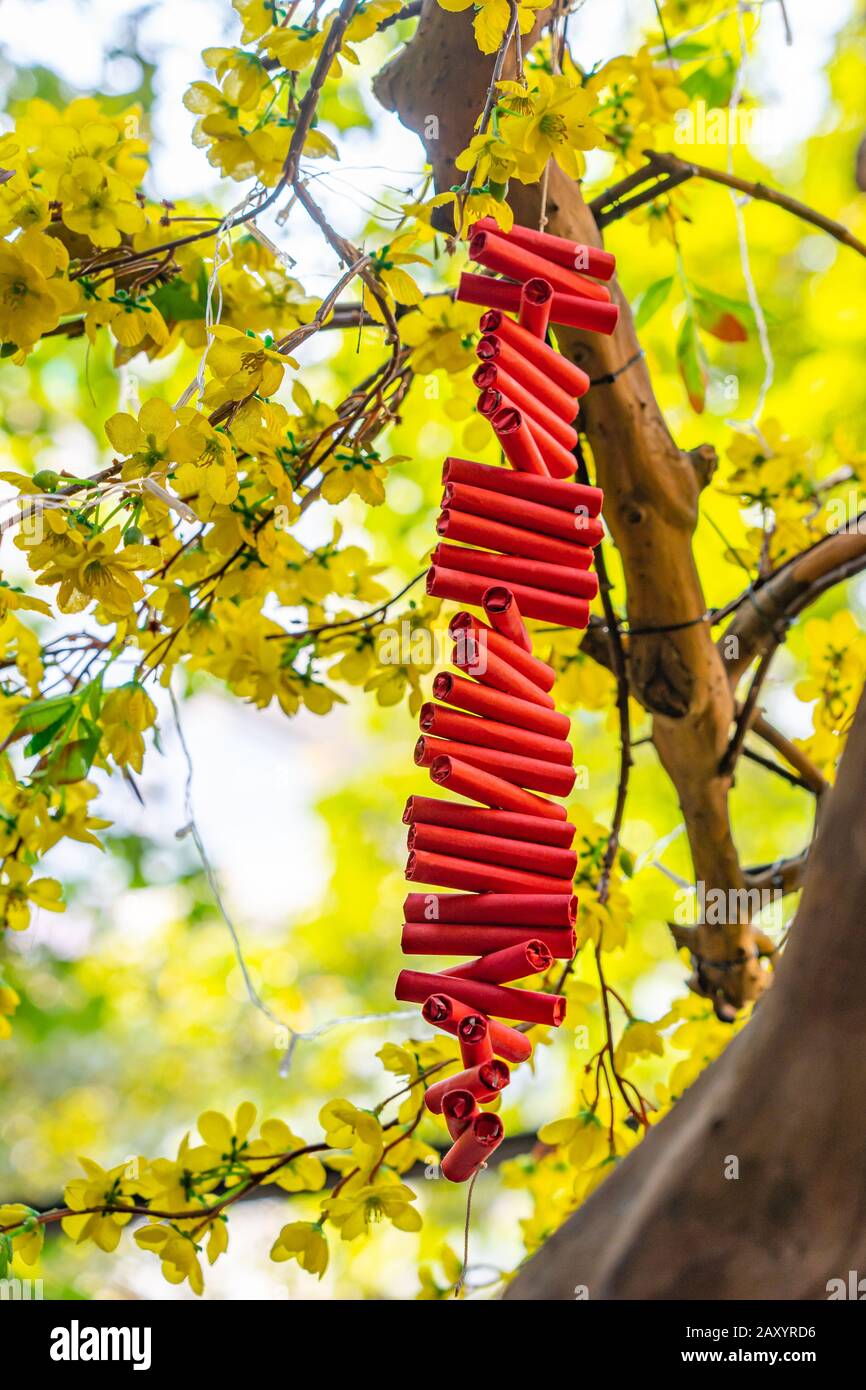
(458, 1287)
(741, 728)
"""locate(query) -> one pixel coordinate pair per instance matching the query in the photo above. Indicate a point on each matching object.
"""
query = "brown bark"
(785, 1099)
(651, 488)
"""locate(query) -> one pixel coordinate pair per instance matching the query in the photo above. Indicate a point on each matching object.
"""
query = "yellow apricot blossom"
(657, 94)
(20, 892)
(364, 475)
(33, 298)
(492, 18)
(361, 1202)
(143, 443)
(302, 1241)
(98, 204)
(489, 157)
(469, 208)
(93, 568)
(560, 126)
(20, 1225)
(223, 1138)
(99, 1188)
(242, 365)
(207, 460)
(178, 1253)
(766, 462)
(126, 712)
(9, 1001)
(347, 1127)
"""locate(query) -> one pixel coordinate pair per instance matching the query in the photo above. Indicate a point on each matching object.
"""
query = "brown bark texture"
(785, 1100)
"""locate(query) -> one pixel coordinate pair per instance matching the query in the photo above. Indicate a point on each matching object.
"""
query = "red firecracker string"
(516, 544)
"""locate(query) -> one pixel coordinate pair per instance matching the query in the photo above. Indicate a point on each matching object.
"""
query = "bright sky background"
(257, 775)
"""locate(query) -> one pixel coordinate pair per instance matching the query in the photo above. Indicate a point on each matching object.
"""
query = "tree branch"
(668, 171)
(765, 610)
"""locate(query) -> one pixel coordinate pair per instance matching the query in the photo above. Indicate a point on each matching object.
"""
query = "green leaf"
(46, 736)
(72, 764)
(181, 300)
(712, 83)
(724, 302)
(691, 363)
(721, 323)
(652, 300)
(40, 715)
(689, 48)
(73, 761)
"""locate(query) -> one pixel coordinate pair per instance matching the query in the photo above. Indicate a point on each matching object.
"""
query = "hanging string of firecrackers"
(514, 543)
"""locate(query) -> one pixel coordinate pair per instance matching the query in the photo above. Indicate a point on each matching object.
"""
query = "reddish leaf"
(728, 328)
(691, 364)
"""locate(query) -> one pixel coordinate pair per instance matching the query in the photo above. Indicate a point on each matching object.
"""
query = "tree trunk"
(786, 1100)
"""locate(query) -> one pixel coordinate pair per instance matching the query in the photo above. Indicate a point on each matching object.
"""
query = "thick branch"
(765, 611)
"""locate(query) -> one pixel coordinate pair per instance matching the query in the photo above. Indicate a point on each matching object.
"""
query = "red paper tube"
(553, 779)
(474, 1147)
(503, 615)
(446, 871)
(532, 516)
(429, 810)
(530, 666)
(488, 376)
(527, 1006)
(510, 569)
(559, 461)
(459, 1109)
(495, 253)
(473, 1035)
(493, 348)
(484, 1082)
(490, 669)
(483, 644)
(501, 967)
(573, 254)
(488, 291)
(499, 705)
(460, 939)
(536, 302)
(477, 785)
(518, 443)
(510, 425)
(497, 909)
(544, 606)
(570, 310)
(443, 1011)
(511, 540)
(489, 733)
(573, 380)
(516, 574)
(493, 849)
(578, 498)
